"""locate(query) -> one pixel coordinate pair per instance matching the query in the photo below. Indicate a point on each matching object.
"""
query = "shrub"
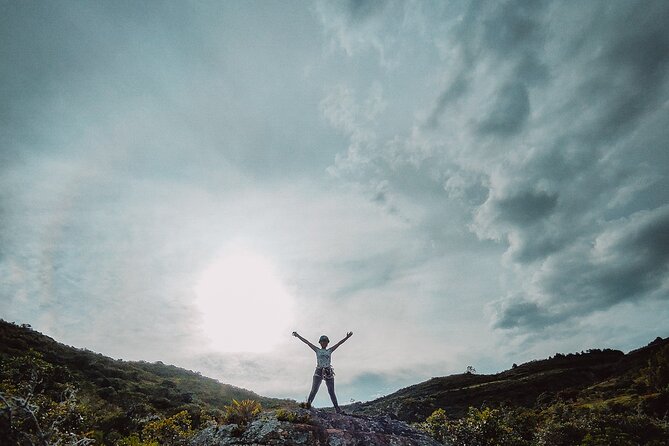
(134, 440)
(241, 413)
(37, 406)
(292, 417)
(485, 427)
(435, 425)
(558, 425)
(599, 428)
(173, 431)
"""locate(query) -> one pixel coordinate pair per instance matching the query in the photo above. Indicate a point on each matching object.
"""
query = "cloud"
(628, 261)
(456, 89)
(491, 42)
(350, 24)
(360, 27)
(509, 112)
(630, 68)
(520, 312)
(527, 206)
(546, 129)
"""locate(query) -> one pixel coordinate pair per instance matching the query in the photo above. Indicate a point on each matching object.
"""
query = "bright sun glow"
(244, 305)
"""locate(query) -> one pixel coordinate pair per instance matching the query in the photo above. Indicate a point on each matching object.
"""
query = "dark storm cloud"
(522, 312)
(627, 262)
(525, 208)
(623, 83)
(629, 67)
(557, 112)
(508, 33)
(623, 61)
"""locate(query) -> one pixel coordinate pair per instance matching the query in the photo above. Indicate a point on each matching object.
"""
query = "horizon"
(458, 184)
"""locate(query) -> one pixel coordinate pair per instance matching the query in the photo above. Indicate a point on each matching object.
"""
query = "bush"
(292, 417)
(585, 427)
(485, 427)
(37, 406)
(134, 440)
(241, 413)
(436, 425)
(560, 425)
(173, 431)
(482, 427)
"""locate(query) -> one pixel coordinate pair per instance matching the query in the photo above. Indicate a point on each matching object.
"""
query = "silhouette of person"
(324, 370)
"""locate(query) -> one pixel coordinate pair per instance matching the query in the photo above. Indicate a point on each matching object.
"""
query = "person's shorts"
(324, 372)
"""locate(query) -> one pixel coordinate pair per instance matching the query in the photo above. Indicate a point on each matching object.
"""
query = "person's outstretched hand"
(349, 334)
(295, 333)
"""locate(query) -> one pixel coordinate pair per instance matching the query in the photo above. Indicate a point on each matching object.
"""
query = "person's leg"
(330, 384)
(314, 388)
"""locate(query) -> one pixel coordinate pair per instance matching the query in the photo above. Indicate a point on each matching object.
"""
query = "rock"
(323, 429)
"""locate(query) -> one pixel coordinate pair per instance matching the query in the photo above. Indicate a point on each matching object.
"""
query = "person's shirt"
(323, 357)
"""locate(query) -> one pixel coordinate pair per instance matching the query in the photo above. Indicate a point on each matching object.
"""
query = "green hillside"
(52, 394)
(587, 378)
(115, 397)
(598, 397)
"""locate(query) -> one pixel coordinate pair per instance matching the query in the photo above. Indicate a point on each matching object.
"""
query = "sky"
(457, 182)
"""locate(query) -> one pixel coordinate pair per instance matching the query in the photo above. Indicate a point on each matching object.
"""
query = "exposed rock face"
(323, 429)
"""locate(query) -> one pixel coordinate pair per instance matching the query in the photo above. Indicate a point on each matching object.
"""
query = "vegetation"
(558, 425)
(38, 406)
(657, 372)
(51, 394)
(241, 413)
(173, 431)
(627, 409)
(593, 379)
(54, 394)
(292, 416)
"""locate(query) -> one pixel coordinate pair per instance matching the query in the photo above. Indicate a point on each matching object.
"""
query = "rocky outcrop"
(316, 428)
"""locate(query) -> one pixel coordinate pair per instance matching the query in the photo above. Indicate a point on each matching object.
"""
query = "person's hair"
(323, 339)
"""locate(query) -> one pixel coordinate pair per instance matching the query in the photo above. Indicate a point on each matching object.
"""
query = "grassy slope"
(588, 379)
(165, 388)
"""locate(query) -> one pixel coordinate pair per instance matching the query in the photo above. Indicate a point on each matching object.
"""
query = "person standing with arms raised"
(324, 369)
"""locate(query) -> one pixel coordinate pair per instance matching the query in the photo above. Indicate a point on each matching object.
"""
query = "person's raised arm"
(348, 335)
(313, 347)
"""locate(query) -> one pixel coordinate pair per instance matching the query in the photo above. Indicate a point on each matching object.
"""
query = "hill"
(118, 395)
(593, 378)
(52, 394)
